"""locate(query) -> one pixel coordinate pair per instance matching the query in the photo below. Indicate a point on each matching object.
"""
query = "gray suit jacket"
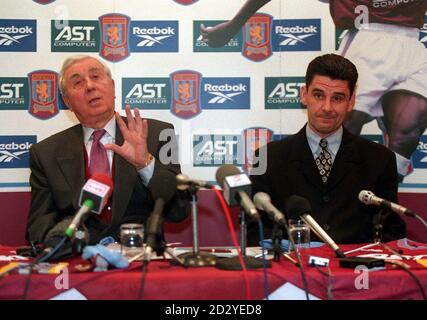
(58, 175)
(360, 164)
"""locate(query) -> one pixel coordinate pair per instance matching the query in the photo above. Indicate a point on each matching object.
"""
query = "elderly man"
(128, 150)
(328, 165)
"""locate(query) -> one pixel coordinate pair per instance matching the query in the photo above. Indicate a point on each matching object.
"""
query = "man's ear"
(352, 101)
(67, 102)
(303, 95)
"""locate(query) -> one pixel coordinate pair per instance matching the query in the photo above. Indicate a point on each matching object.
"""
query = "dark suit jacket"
(360, 164)
(58, 175)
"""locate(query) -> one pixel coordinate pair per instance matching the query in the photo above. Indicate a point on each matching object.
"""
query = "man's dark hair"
(333, 66)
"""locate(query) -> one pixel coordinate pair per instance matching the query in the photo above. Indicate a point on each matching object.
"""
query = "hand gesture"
(134, 148)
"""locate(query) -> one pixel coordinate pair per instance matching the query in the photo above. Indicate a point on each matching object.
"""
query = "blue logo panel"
(296, 35)
(225, 93)
(18, 35)
(153, 36)
(217, 150)
(419, 157)
(14, 151)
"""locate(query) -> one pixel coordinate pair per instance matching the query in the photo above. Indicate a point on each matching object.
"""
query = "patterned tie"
(324, 161)
(98, 162)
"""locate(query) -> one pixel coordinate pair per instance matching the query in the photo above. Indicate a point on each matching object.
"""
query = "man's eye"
(338, 99)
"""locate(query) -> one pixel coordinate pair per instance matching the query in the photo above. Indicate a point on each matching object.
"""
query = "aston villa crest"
(114, 35)
(44, 1)
(257, 37)
(255, 138)
(186, 2)
(185, 93)
(44, 94)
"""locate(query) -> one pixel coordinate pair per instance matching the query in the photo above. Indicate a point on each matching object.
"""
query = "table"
(167, 282)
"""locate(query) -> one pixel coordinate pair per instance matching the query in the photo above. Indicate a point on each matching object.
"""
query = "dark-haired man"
(328, 165)
(383, 42)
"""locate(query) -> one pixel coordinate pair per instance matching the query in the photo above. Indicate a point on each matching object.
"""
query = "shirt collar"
(110, 128)
(334, 140)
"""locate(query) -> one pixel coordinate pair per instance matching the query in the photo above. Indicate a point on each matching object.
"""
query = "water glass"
(300, 233)
(131, 239)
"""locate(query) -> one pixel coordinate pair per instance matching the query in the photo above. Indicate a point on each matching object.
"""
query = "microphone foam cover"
(225, 171)
(163, 185)
(297, 205)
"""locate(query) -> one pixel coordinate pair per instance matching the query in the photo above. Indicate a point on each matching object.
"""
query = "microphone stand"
(161, 251)
(196, 258)
(234, 263)
(276, 237)
(377, 221)
(79, 241)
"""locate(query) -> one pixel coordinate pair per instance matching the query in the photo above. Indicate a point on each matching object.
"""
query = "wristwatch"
(150, 158)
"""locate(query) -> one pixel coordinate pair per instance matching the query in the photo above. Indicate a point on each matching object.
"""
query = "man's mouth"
(94, 100)
(327, 118)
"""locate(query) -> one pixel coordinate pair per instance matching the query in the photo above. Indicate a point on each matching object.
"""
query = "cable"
(264, 261)
(421, 220)
(141, 288)
(40, 259)
(405, 267)
(299, 260)
(328, 274)
(235, 243)
(303, 277)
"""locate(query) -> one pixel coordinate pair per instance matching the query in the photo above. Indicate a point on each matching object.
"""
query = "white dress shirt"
(109, 137)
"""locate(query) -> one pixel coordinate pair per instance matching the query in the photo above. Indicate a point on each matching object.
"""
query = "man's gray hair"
(71, 60)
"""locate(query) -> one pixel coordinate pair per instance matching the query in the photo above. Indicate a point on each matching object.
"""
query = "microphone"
(184, 182)
(93, 197)
(163, 186)
(262, 201)
(299, 206)
(368, 197)
(236, 186)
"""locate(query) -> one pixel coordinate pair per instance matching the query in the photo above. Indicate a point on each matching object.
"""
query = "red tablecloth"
(164, 281)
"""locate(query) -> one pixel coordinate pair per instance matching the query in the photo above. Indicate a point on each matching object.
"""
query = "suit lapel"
(344, 161)
(125, 175)
(72, 164)
(303, 160)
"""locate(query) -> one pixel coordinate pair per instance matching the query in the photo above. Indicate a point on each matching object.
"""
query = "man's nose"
(90, 84)
(327, 105)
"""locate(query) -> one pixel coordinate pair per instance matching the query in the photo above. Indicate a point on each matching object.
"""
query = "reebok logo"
(218, 92)
(296, 35)
(419, 157)
(296, 29)
(17, 35)
(289, 34)
(154, 36)
(225, 93)
(14, 151)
